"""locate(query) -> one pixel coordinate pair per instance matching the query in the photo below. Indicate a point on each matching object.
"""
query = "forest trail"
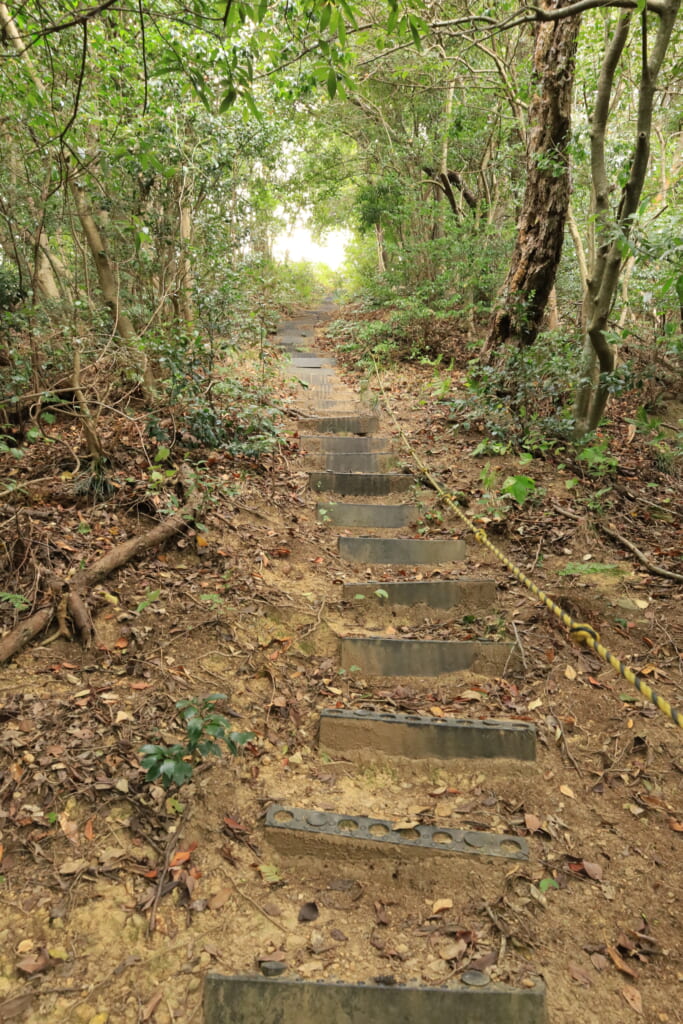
(371, 833)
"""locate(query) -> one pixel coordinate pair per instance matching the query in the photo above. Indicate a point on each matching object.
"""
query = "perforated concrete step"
(370, 484)
(360, 732)
(246, 1000)
(378, 517)
(340, 425)
(400, 550)
(329, 443)
(385, 656)
(432, 593)
(299, 830)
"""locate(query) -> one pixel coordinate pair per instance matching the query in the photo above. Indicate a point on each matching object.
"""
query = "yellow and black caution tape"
(582, 632)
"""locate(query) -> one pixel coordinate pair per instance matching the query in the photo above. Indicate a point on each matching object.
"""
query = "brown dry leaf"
(532, 822)
(404, 826)
(440, 905)
(469, 695)
(633, 998)
(484, 961)
(593, 870)
(219, 899)
(72, 867)
(147, 1011)
(570, 673)
(437, 712)
(35, 964)
(675, 826)
(620, 963)
(568, 791)
(578, 974)
(453, 950)
(599, 961)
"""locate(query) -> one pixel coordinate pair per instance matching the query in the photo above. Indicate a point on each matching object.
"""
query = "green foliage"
(597, 458)
(521, 402)
(16, 601)
(520, 488)
(589, 569)
(204, 729)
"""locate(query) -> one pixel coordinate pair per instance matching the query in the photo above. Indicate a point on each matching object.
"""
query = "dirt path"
(263, 610)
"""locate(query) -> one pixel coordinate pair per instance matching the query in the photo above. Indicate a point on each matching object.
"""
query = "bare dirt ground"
(117, 896)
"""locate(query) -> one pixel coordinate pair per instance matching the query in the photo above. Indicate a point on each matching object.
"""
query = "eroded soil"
(117, 897)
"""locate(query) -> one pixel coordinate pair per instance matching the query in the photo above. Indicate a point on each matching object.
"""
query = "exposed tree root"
(77, 588)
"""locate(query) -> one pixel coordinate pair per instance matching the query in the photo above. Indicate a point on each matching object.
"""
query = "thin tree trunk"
(611, 229)
(540, 231)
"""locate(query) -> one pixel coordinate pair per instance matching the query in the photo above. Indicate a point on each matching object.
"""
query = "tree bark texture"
(613, 226)
(540, 230)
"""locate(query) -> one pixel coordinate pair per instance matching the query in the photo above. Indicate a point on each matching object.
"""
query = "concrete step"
(352, 462)
(311, 361)
(363, 734)
(254, 1000)
(369, 484)
(292, 828)
(329, 443)
(378, 517)
(386, 656)
(400, 550)
(432, 593)
(365, 424)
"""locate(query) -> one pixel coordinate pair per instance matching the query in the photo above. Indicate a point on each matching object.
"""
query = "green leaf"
(547, 883)
(228, 100)
(332, 83)
(148, 599)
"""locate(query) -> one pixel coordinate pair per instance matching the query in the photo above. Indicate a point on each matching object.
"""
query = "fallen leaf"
(599, 961)
(532, 822)
(453, 950)
(578, 974)
(35, 964)
(219, 899)
(619, 963)
(593, 870)
(404, 826)
(535, 704)
(633, 998)
(308, 912)
(568, 791)
(440, 905)
(482, 962)
(179, 857)
(147, 1011)
(570, 673)
(675, 826)
(72, 867)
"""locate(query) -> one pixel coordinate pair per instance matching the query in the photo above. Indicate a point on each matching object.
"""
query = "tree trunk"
(612, 228)
(540, 231)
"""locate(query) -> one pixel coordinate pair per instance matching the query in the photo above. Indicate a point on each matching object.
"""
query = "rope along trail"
(580, 631)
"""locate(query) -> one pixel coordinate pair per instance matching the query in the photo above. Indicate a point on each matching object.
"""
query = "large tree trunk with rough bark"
(540, 231)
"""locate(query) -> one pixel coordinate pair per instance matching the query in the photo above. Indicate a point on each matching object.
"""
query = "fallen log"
(82, 582)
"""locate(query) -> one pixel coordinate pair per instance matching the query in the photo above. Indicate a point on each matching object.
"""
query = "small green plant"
(520, 488)
(150, 597)
(597, 459)
(588, 569)
(382, 594)
(16, 601)
(204, 729)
